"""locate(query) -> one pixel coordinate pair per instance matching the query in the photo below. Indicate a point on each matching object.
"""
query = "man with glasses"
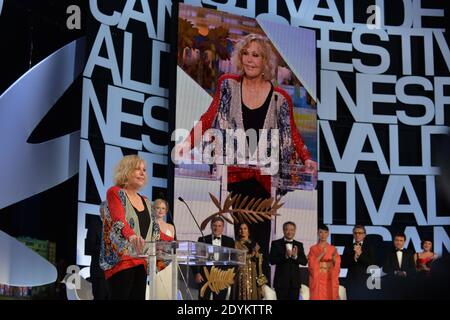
(356, 258)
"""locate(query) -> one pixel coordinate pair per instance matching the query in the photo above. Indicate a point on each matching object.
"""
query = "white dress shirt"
(290, 246)
(400, 258)
(216, 242)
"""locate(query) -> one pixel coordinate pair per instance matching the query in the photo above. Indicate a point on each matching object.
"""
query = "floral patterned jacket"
(120, 221)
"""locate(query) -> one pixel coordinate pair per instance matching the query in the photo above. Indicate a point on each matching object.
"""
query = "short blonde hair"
(124, 168)
(267, 54)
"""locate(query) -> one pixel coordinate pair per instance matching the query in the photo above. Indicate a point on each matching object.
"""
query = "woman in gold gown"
(250, 278)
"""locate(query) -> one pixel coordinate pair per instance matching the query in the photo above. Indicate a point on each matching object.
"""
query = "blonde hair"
(267, 54)
(125, 167)
(159, 200)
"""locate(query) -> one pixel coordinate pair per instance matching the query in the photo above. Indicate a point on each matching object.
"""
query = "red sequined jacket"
(236, 173)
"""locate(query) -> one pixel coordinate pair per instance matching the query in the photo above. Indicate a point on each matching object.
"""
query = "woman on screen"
(127, 225)
(250, 278)
(324, 265)
(249, 100)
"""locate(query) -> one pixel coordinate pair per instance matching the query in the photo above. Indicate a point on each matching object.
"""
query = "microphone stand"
(192, 215)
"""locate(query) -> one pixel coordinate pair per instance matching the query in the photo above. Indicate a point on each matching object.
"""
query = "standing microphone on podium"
(196, 270)
(192, 215)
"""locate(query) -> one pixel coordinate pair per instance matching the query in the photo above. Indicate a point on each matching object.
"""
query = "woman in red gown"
(167, 230)
(324, 264)
(425, 258)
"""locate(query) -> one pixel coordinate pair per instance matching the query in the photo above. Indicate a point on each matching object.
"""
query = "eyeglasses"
(358, 232)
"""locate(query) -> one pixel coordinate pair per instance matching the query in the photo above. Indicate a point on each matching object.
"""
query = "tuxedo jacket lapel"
(208, 239)
(224, 241)
(282, 247)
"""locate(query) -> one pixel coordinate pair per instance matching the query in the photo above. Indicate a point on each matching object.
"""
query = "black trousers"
(287, 294)
(128, 284)
(396, 288)
(357, 290)
(99, 288)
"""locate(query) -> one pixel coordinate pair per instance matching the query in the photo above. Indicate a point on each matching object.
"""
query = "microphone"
(192, 215)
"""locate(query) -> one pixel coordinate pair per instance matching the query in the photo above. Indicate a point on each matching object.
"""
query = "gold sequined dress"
(250, 277)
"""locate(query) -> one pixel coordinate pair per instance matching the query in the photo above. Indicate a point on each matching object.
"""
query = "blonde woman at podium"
(127, 225)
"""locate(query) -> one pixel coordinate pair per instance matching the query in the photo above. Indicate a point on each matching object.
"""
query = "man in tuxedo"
(400, 268)
(287, 254)
(356, 258)
(217, 239)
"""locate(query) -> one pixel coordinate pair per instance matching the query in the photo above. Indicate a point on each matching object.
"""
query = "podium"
(179, 255)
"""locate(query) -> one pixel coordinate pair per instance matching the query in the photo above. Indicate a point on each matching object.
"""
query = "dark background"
(30, 31)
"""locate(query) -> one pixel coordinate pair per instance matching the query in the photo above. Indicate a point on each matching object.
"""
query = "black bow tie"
(216, 238)
(397, 250)
(288, 241)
